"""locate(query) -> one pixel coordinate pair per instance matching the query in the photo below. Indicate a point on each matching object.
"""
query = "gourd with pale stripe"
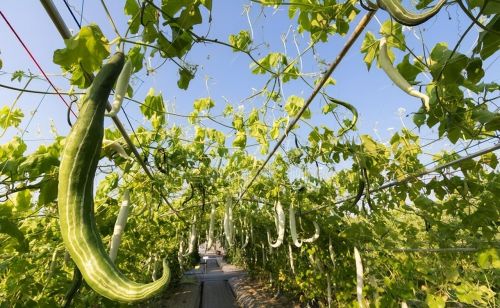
(280, 224)
(395, 76)
(211, 228)
(228, 221)
(405, 17)
(75, 197)
(193, 236)
(293, 230)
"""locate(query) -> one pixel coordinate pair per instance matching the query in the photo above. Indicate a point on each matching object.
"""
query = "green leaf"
(23, 200)
(153, 109)
(136, 57)
(185, 77)
(475, 70)
(452, 72)
(11, 229)
(489, 259)
(408, 70)
(472, 294)
(394, 33)
(369, 47)
(240, 41)
(240, 139)
(293, 106)
(17, 75)
(203, 104)
(10, 117)
(48, 191)
(83, 55)
(238, 122)
(435, 301)
(419, 118)
(189, 17)
(132, 9)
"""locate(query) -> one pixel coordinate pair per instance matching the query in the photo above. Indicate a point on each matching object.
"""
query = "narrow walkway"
(216, 292)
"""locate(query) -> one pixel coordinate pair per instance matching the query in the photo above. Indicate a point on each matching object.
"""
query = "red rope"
(36, 62)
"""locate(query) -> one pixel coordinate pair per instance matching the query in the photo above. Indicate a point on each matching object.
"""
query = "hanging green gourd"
(396, 77)
(246, 232)
(280, 225)
(121, 89)
(75, 197)
(211, 228)
(193, 236)
(405, 17)
(228, 221)
(293, 230)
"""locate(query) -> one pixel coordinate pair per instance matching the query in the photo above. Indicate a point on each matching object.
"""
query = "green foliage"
(10, 117)
(430, 242)
(153, 109)
(240, 41)
(83, 55)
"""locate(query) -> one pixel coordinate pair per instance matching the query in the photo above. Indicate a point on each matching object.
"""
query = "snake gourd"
(405, 17)
(293, 230)
(75, 197)
(121, 89)
(228, 221)
(280, 217)
(396, 77)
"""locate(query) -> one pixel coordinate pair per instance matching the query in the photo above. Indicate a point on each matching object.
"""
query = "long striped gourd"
(395, 76)
(228, 221)
(75, 197)
(211, 228)
(405, 17)
(193, 236)
(280, 218)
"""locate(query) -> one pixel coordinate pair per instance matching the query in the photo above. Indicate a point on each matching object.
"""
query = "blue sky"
(222, 74)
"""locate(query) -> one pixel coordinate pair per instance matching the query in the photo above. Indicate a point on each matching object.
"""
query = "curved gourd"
(115, 146)
(405, 17)
(75, 197)
(121, 89)
(293, 230)
(396, 77)
(211, 228)
(315, 235)
(280, 217)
